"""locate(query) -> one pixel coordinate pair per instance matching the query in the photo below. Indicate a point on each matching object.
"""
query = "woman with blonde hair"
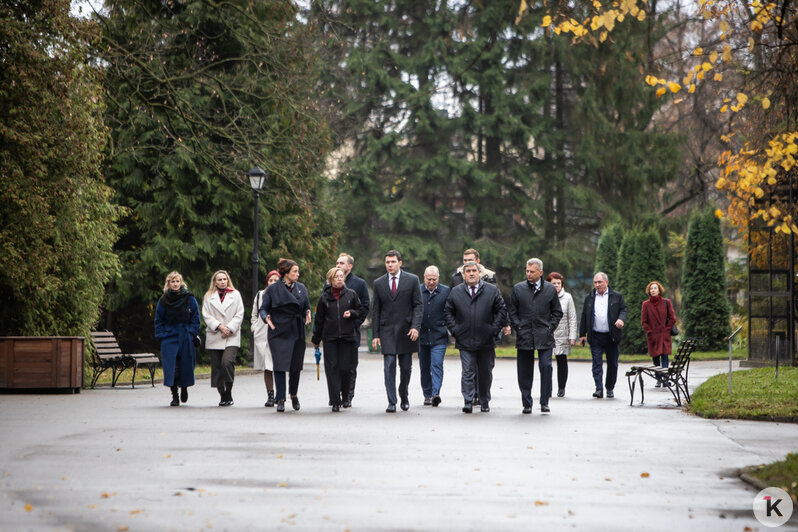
(177, 323)
(223, 312)
(262, 356)
(337, 313)
(657, 318)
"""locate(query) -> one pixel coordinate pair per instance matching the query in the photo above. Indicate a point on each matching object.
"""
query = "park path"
(121, 459)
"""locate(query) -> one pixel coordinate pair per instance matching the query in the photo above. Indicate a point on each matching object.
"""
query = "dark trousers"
(525, 363)
(338, 356)
(601, 343)
(562, 371)
(279, 383)
(662, 361)
(477, 363)
(389, 368)
(353, 371)
(223, 366)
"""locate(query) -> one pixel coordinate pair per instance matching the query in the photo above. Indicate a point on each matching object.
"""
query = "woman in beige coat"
(566, 332)
(262, 356)
(223, 312)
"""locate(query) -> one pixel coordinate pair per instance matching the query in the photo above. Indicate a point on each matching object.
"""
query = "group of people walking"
(408, 316)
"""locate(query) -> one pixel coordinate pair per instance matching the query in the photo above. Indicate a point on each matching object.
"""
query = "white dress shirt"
(601, 305)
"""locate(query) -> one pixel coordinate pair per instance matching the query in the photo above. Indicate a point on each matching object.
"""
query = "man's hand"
(582, 340)
(507, 330)
(375, 344)
(307, 317)
(619, 323)
(413, 334)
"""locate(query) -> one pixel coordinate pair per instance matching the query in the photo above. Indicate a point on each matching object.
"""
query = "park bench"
(108, 355)
(673, 377)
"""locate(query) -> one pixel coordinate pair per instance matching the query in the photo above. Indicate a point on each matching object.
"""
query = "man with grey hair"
(603, 316)
(535, 312)
(433, 336)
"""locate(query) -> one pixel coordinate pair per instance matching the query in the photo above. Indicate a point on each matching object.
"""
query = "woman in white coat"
(262, 355)
(566, 332)
(223, 312)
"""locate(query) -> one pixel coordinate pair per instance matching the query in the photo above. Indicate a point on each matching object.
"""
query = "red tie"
(472, 292)
(393, 285)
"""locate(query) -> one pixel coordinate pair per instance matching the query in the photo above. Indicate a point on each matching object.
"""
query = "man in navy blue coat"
(346, 262)
(433, 337)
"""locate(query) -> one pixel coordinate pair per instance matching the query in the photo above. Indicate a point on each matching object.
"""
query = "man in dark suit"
(603, 317)
(346, 262)
(535, 313)
(434, 337)
(396, 316)
(475, 313)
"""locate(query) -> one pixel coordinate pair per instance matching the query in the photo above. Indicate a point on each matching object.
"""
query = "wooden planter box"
(43, 362)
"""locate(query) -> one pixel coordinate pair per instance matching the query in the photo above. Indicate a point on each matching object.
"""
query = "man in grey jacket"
(534, 314)
(475, 313)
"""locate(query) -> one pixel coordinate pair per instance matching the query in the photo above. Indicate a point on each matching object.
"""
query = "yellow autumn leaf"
(603, 36)
(765, 103)
(644, 475)
(641, 15)
(651, 80)
(756, 25)
(546, 21)
(541, 503)
(724, 26)
(741, 98)
(751, 44)
(785, 228)
(700, 75)
(727, 53)
(674, 87)
(718, 213)
(724, 108)
(713, 57)
(706, 67)
(718, 76)
(698, 51)
(28, 508)
(691, 90)
(758, 192)
(660, 91)
(686, 79)
(706, 14)
(595, 23)
(720, 183)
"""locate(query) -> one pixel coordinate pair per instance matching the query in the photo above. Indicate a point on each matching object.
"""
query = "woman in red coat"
(657, 318)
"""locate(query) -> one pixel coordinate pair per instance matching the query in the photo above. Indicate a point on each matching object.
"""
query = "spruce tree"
(705, 308)
(609, 245)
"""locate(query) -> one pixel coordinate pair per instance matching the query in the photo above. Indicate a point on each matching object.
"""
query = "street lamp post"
(257, 178)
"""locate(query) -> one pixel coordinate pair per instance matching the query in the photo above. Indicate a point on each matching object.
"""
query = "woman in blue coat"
(177, 323)
(285, 307)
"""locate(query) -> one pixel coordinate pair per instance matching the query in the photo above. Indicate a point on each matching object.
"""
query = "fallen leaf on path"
(28, 508)
(541, 503)
(644, 475)
(608, 479)
(122, 528)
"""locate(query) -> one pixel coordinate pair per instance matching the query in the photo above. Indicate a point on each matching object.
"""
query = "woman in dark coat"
(177, 323)
(657, 318)
(337, 313)
(285, 307)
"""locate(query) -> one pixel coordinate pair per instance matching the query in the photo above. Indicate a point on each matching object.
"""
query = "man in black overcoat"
(535, 312)
(396, 315)
(346, 262)
(603, 317)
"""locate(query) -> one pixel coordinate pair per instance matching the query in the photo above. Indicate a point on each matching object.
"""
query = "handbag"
(674, 330)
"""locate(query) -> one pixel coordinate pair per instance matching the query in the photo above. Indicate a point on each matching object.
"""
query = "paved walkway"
(121, 459)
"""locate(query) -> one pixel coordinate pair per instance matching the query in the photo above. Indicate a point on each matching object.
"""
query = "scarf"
(655, 300)
(175, 302)
(223, 293)
(336, 292)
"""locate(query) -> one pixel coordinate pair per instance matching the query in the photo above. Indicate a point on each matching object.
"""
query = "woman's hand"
(347, 314)
(307, 318)
(269, 322)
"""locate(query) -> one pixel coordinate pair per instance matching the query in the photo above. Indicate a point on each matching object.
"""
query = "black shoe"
(222, 403)
(347, 404)
(484, 408)
(436, 400)
(391, 409)
(610, 394)
(336, 408)
(175, 400)
(658, 385)
(281, 405)
(405, 405)
(183, 394)
(561, 392)
(598, 394)
(527, 410)
(295, 402)
(468, 408)
(544, 408)
(428, 401)
(270, 401)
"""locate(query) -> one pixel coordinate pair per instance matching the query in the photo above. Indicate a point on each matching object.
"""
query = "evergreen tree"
(641, 260)
(609, 246)
(705, 307)
(199, 93)
(56, 221)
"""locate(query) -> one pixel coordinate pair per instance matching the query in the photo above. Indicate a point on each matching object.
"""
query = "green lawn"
(755, 395)
(782, 474)
(143, 376)
(583, 353)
